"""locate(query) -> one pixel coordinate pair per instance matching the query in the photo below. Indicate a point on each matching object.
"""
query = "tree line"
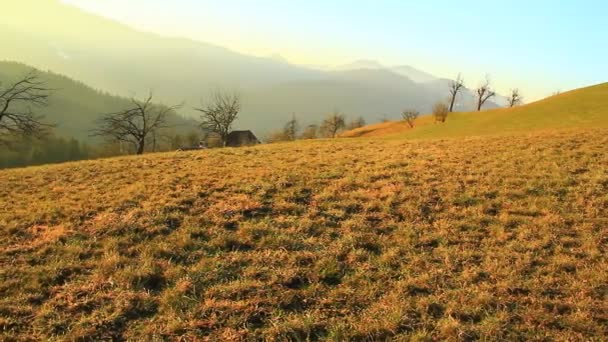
(32, 151)
(141, 127)
(145, 126)
(336, 122)
(330, 127)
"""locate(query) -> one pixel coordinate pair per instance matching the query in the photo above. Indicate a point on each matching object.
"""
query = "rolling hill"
(495, 231)
(586, 107)
(117, 59)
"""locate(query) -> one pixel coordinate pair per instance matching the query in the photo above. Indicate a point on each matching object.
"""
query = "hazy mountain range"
(112, 57)
(407, 71)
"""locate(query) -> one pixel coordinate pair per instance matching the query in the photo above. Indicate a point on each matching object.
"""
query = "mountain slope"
(372, 94)
(115, 58)
(110, 55)
(430, 83)
(413, 74)
(407, 71)
(585, 107)
(73, 106)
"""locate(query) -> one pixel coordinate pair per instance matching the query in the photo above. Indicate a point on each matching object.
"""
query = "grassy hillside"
(501, 238)
(586, 107)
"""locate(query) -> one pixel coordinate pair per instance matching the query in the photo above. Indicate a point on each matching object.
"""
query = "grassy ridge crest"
(585, 107)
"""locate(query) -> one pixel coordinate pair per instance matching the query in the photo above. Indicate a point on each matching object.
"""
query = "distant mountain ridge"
(120, 60)
(410, 72)
(432, 82)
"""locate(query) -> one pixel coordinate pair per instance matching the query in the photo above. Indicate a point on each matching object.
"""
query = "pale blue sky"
(539, 46)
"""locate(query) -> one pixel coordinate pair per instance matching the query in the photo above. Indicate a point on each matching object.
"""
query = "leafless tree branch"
(137, 124)
(220, 112)
(515, 98)
(17, 117)
(410, 117)
(484, 93)
(333, 124)
(455, 87)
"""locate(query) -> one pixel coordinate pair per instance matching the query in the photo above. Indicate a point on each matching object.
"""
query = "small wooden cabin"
(241, 138)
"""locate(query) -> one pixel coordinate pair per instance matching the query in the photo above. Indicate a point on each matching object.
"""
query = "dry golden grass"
(386, 128)
(497, 238)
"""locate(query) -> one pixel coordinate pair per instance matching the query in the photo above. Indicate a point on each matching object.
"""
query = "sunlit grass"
(587, 107)
(500, 238)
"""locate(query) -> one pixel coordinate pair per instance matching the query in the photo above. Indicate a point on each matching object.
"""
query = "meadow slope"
(502, 238)
(585, 107)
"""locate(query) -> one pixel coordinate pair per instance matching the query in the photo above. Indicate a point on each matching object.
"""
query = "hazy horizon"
(471, 38)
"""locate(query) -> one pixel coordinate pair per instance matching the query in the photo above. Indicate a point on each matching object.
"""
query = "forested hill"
(74, 106)
(73, 109)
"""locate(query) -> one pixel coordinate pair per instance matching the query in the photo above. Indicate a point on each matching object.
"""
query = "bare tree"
(333, 124)
(193, 139)
(455, 87)
(290, 131)
(410, 117)
(17, 99)
(356, 123)
(515, 98)
(276, 136)
(440, 112)
(135, 125)
(219, 114)
(310, 132)
(484, 93)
